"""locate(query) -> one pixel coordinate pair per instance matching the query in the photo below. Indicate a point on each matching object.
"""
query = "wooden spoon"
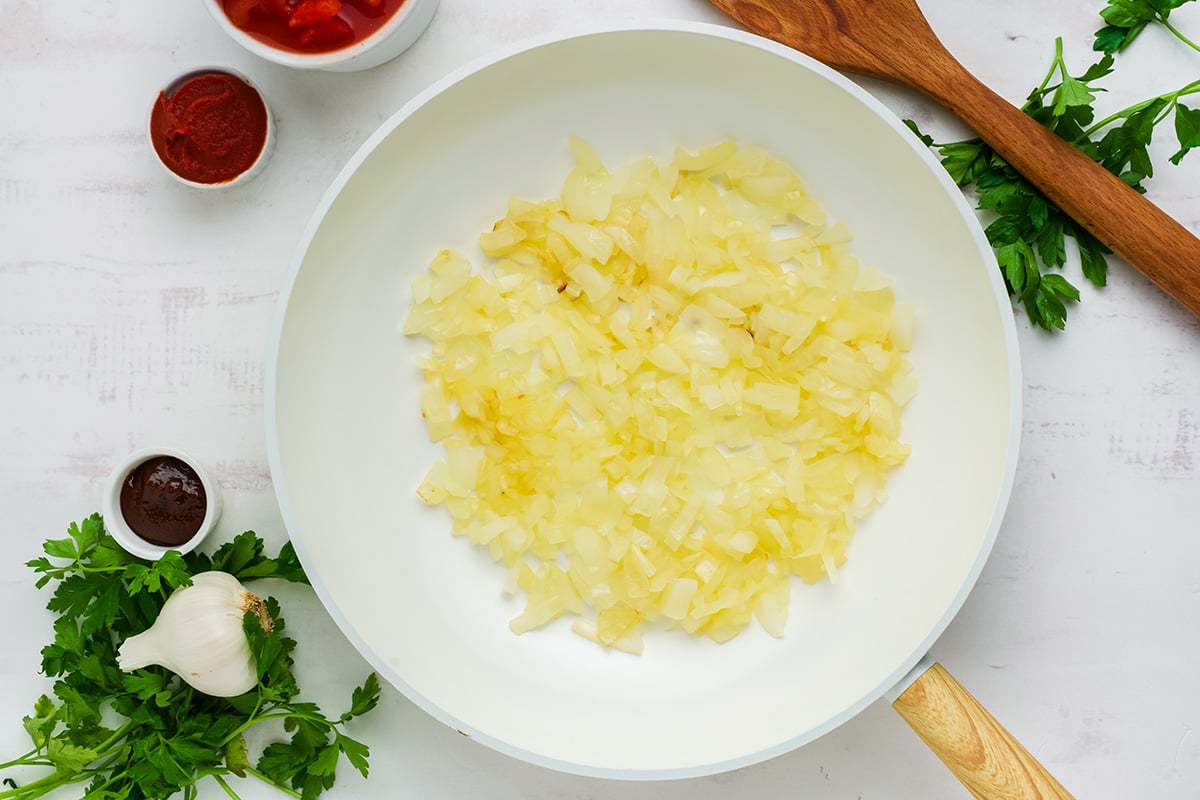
(891, 40)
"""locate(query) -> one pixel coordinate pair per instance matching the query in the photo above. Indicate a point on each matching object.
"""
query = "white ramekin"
(118, 528)
(254, 169)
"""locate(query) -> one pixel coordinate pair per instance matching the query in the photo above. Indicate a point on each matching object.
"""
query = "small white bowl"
(393, 38)
(268, 147)
(114, 520)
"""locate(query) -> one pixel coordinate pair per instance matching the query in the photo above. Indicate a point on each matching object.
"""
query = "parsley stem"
(111, 780)
(1054, 67)
(1178, 33)
(258, 702)
(43, 785)
(1171, 97)
(1058, 59)
(95, 570)
(250, 723)
(116, 736)
(221, 782)
(21, 760)
(22, 763)
(265, 779)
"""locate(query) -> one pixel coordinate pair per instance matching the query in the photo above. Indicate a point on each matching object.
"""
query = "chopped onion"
(673, 388)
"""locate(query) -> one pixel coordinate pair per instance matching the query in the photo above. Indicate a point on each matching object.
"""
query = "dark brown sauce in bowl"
(163, 501)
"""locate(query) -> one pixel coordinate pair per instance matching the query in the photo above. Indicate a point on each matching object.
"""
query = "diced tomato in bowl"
(340, 35)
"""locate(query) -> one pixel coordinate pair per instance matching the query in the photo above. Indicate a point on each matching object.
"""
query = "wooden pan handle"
(1133, 227)
(977, 749)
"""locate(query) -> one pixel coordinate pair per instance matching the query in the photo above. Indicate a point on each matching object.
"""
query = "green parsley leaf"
(309, 730)
(102, 611)
(1017, 261)
(42, 565)
(265, 646)
(285, 567)
(167, 573)
(87, 533)
(109, 554)
(1092, 256)
(1038, 211)
(243, 558)
(78, 708)
(41, 725)
(965, 161)
(89, 736)
(61, 548)
(1187, 131)
(325, 762)
(168, 770)
(281, 763)
(1101, 69)
(1050, 300)
(1124, 149)
(1005, 196)
(100, 672)
(237, 756)
(314, 785)
(1128, 13)
(1128, 18)
(144, 684)
(1071, 92)
(233, 556)
(1051, 242)
(73, 595)
(69, 758)
(68, 636)
(1113, 39)
(54, 660)
(356, 753)
(1060, 286)
(925, 138)
(363, 699)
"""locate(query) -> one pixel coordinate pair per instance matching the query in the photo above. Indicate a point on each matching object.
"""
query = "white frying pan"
(348, 445)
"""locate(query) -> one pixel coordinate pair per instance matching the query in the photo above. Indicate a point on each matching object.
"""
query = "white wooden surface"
(134, 311)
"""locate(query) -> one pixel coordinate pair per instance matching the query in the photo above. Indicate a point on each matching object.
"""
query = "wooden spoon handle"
(1133, 227)
(977, 749)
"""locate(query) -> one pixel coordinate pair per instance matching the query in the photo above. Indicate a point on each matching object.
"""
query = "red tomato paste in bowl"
(209, 127)
(310, 26)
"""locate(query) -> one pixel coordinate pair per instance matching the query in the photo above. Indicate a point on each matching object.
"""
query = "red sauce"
(211, 129)
(310, 26)
(164, 501)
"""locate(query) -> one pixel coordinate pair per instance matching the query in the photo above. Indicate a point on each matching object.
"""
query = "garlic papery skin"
(198, 635)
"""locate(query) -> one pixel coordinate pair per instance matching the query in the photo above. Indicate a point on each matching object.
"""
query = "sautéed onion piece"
(672, 388)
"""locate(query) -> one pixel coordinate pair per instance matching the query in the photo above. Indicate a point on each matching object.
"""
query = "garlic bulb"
(198, 635)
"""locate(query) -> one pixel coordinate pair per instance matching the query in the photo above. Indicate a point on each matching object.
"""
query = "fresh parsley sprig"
(168, 736)
(1029, 232)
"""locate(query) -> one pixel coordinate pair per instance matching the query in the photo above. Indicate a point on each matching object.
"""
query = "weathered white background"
(134, 311)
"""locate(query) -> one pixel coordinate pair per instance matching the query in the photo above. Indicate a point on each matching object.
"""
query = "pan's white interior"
(349, 446)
